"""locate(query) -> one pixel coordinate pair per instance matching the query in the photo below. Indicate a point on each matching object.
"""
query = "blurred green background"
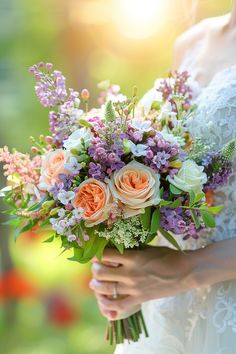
(46, 306)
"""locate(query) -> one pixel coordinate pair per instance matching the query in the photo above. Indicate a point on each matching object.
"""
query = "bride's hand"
(142, 275)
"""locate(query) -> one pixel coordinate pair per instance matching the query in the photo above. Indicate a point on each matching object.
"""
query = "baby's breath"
(128, 232)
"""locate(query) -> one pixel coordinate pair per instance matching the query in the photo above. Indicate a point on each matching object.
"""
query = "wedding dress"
(201, 321)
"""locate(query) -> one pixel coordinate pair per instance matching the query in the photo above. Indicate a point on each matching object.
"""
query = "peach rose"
(95, 198)
(136, 186)
(52, 165)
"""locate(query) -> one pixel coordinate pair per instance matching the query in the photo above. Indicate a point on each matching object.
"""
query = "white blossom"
(65, 197)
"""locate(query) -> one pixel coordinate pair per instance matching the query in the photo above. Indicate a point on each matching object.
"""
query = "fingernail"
(96, 266)
(92, 284)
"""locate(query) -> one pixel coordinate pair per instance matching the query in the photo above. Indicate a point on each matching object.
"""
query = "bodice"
(215, 123)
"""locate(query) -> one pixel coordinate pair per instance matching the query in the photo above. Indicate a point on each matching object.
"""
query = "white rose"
(190, 177)
(75, 139)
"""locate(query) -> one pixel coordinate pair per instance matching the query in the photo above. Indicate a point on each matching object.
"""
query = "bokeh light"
(138, 19)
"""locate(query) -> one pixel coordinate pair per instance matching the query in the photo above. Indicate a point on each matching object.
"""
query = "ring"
(115, 292)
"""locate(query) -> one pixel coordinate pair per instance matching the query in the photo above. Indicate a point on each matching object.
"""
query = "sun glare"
(137, 18)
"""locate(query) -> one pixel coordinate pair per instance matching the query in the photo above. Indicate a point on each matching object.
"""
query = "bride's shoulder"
(189, 39)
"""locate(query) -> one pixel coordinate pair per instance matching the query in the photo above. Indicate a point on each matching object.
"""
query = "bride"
(188, 300)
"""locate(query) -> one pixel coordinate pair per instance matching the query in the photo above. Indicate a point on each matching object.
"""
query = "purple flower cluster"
(179, 221)
(50, 87)
(51, 91)
(176, 84)
(160, 153)
(218, 170)
(62, 122)
(107, 156)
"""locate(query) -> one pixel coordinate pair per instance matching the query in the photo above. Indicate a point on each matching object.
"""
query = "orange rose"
(94, 198)
(136, 186)
(52, 165)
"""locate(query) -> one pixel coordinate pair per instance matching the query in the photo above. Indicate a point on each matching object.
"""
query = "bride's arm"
(160, 272)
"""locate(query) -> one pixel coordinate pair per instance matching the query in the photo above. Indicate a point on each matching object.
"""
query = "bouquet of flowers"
(115, 176)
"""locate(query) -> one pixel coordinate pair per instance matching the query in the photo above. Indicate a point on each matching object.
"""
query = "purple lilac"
(96, 171)
(178, 87)
(50, 87)
(51, 91)
(160, 153)
(56, 189)
(218, 170)
(107, 154)
(179, 222)
(66, 180)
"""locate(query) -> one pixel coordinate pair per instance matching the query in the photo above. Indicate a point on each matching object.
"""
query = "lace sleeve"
(215, 122)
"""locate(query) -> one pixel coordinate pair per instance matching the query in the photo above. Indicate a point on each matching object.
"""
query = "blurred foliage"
(48, 296)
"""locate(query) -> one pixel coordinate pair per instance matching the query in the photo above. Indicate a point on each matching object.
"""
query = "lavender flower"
(65, 197)
(218, 170)
(107, 154)
(56, 189)
(179, 222)
(160, 153)
(50, 87)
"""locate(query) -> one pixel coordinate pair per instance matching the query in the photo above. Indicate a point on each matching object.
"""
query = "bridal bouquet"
(116, 175)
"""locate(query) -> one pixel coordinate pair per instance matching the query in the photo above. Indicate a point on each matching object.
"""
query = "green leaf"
(165, 203)
(215, 209)
(195, 219)
(50, 239)
(78, 254)
(175, 204)
(207, 218)
(110, 114)
(170, 238)
(120, 247)
(150, 238)
(85, 123)
(175, 190)
(192, 198)
(199, 197)
(146, 218)
(37, 205)
(102, 244)
(156, 221)
(13, 222)
(156, 105)
(90, 247)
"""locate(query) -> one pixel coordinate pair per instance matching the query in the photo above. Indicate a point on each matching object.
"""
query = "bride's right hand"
(111, 315)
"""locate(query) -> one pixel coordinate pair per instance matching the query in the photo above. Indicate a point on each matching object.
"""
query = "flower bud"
(49, 139)
(135, 91)
(54, 211)
(34, 149)
(48, 204)
(49, 66)
(126, 146)
(41, 65)
(85, 94)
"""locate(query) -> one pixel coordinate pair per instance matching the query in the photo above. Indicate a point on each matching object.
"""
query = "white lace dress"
(201, 321)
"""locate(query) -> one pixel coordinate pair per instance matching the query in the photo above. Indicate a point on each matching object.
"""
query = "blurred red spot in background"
(15, 285)
(61, 312)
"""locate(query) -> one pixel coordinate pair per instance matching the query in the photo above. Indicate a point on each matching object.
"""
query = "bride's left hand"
(142, 275)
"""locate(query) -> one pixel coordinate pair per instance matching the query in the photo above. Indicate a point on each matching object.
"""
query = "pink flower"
(53, 165)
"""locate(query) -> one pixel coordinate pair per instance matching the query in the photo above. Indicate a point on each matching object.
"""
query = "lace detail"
(225, 310)
(215, 122)
(197, 310)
